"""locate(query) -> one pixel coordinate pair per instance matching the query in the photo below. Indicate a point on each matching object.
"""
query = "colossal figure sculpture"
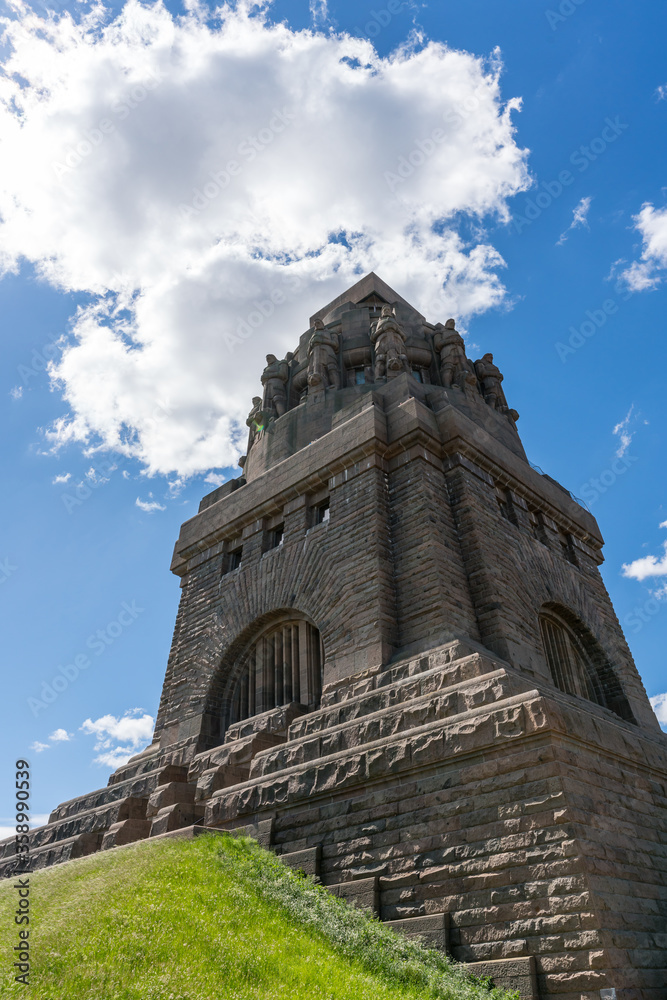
(491, 378)
(454, 367)
(274, 380)
(389, 341)
(395, 662)
(323, 357)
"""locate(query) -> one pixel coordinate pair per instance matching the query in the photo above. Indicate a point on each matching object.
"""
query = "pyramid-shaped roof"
(369, 285)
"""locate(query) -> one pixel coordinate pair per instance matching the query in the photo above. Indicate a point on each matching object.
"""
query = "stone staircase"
(390, 719)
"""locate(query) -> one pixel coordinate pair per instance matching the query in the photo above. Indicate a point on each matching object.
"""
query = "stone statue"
(274, 380)
(255, 421)
(491, 378)
(389, 341)
(454, 367)
(323, 357)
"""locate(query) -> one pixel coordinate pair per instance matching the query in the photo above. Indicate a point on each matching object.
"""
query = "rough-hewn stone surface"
(453, 776)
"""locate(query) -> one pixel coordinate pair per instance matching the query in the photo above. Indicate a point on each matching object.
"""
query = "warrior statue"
(389, 341)
(255, 421)
(490, 378)
(274, 379)
(454, 366)
(322, 357)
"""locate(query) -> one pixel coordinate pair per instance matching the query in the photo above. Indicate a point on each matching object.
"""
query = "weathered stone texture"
(483, 766)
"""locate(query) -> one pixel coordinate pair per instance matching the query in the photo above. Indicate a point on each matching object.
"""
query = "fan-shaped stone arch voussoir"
(231, 663)
(603, 671)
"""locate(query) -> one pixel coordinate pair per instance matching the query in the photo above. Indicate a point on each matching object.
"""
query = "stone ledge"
(433, 929)
(509, 973)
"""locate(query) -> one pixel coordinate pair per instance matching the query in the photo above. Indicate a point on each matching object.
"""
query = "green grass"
(211, 919)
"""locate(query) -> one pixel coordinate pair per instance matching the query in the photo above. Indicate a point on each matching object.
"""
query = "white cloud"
(63, 477)
(579, 218)
(118, 739)
(180, 172)
(215, 479)
(649, 566)
(16, 392)
(39, 747)
(659, 706)
(645, 273)
(663, 524)
(624, 434)
(149, 506)
(661, 92)
(39, 819)
(61, 736)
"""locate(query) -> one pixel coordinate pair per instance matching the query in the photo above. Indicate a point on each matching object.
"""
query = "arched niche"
(280, 664)
(577, 662)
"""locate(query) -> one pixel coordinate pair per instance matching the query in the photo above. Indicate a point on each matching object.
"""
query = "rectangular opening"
(276, 536)
(359, 377)
(322, 512)
(234, 559)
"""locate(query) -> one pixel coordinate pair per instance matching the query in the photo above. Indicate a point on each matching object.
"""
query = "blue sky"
(540, 225)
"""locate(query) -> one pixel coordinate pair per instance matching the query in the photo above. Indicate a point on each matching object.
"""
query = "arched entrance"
(283, 664)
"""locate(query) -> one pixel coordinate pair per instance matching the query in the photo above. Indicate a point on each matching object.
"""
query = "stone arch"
(278, 659)
(577, 662)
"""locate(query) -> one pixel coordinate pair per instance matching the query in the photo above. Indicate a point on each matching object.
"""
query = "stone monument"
(395, 663)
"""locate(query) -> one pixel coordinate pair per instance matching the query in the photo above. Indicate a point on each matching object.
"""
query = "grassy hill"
(210, 919)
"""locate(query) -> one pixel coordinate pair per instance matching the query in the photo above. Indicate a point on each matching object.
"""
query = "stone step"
(58, 851)
(274, 722)
(517, 716)
(432, 929)
(307, 861)
(510, 974)
(139, 786)
(402, 717)
(363, 892)
(234, 753)
(93, 821)
(437, 677)
(127, 831)
(409, 666)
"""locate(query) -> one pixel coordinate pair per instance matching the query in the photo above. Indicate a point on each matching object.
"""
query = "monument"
(396, 664)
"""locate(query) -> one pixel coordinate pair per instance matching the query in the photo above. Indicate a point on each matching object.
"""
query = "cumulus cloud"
(149, 506)
(61, 736)
(659, 706)
(648, 271)
(661, 92)
(649, 566)
(209, 185)
(215, 479)
(39, 747)
(16, 392)
(118, 739)
(63, 477)
(579, 218)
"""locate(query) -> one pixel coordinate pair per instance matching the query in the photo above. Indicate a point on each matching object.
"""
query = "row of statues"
(389, 342)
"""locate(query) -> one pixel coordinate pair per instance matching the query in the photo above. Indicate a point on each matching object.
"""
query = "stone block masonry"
(395, 663)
